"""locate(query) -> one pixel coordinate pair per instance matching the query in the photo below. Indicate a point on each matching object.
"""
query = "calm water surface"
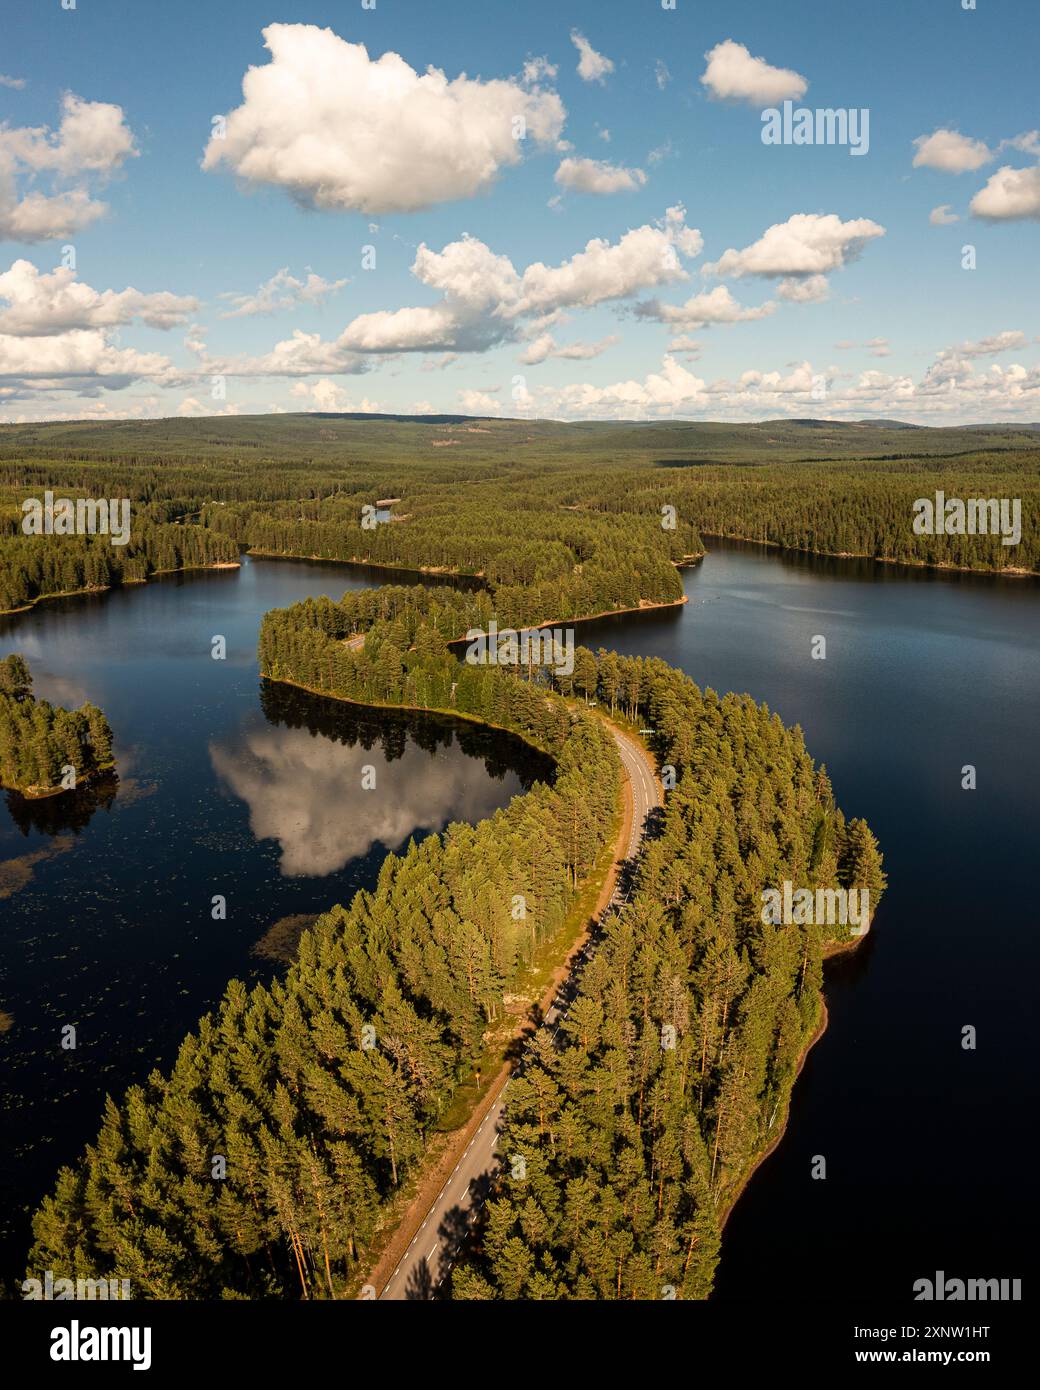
(225, 787)
(929, 1147)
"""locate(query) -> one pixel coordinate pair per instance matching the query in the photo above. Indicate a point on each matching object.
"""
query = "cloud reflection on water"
(305, 791)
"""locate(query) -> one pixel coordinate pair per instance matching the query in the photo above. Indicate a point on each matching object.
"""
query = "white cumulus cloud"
(950, 151)
(1028, 143)
(484, 301)
(592, 66)
(702, 310)
(485, 298)
(1009, 195)
(326, 395)
(684, 343)
(93, 137)
(81, 353)
(58, 334)
(301, 354)
(339, 130)
(942, 216)
(479, 402)
(597, 176)
(951, 390)
(91, 142)
(733, 74)
(42, 304)
(809, 289)
(642, 258)
(808, 243)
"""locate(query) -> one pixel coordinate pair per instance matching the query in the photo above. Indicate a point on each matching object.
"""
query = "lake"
(927, 1145)
(227, 787)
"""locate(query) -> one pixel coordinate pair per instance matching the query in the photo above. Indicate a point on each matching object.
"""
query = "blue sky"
(833, 286)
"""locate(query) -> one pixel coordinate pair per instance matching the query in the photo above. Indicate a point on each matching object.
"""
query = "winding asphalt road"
(436, 1242)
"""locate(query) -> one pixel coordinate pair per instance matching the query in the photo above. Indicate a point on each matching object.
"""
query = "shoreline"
(610, 613)
(535, 627)
(588, 618)
(642, 607)
(110, 588)
(835, 949)
(435, 710)
(1010, 573)
(45, 794)
(838, 949)
(685, 563)
(443, 570)
(756, 1163)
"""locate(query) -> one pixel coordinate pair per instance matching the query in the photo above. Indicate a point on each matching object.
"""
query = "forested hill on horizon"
(658, 441)
(561, 521)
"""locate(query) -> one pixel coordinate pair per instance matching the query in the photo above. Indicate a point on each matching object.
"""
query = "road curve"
(435, 1244)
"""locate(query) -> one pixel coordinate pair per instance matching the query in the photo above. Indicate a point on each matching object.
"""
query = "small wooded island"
(45, 749)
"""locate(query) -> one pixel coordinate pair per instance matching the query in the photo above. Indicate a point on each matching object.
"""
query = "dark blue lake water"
(225, 788)
(928, 1146)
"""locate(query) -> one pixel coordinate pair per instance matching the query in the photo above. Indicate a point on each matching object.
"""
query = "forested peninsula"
(321, 1090)
(45, 749)
(673, 1069)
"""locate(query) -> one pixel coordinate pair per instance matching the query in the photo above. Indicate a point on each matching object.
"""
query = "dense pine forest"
(265, 1164)
(44, 748)
(560, 521)
(33, 567)
(674, 1066)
